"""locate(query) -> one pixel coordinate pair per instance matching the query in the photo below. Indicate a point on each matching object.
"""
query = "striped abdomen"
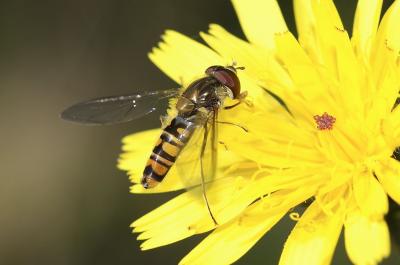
(172, 140)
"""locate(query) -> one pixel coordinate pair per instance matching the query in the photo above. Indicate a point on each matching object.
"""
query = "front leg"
(241, 98)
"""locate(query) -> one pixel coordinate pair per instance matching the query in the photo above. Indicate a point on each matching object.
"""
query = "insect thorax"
(205, 94)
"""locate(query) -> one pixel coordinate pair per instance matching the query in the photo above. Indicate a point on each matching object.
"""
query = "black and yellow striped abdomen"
(171, 142)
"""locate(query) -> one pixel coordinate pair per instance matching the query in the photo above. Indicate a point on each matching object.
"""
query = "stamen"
(294, 216)
(325, 121)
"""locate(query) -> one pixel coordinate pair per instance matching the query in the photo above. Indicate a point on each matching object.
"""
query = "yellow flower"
(332, 142)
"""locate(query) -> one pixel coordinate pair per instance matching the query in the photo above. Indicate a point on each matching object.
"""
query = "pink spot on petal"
(325, 121)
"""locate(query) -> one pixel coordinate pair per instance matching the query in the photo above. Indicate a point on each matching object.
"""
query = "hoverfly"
(197, 110)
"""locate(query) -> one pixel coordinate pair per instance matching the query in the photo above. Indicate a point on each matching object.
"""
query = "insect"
(197, 111)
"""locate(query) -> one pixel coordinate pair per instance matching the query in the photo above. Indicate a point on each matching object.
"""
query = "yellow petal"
(328, 45)
(385, 61)
(136, 151)
(365, 25)
(385, 66)
(384, 96)
(315, 21)
(390, 128)
(388, 173)
(313, 239)
(305, 23)
(386, 46)
(272, 139)
(308, 83)
(232, 240)
(367, 241)
(187, 214)
(183, 216)
(260, 64)
(182, 58)
(277, 155)
(260, 20)
(370, 195)
(280, 128)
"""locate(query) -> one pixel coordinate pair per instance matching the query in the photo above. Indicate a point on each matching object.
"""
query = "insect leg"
(203, 147)
(232, 106)
(241, 98)
(237, 125)
(224, 144)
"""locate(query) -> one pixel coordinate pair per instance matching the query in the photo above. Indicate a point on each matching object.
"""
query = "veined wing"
(197, 164)
(116, 109)
(198, 160)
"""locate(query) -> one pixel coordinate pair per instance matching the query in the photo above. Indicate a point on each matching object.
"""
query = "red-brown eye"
(226, 77)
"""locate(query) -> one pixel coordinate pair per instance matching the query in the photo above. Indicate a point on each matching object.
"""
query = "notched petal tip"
(181, 57)
(214, 26)
(260, 20)
(281, 33)
(152, 53)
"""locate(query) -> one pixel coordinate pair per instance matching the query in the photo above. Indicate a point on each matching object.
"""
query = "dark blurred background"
(62, 200)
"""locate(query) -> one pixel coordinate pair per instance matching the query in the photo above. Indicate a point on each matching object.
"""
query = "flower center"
(324, 121)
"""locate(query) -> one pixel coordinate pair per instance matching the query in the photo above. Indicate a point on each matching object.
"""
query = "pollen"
(324, 121)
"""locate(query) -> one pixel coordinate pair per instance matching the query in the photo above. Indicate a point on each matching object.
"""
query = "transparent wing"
(116, 109)
(197, 162)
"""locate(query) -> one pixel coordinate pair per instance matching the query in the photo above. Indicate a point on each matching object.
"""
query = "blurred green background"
(62, 200)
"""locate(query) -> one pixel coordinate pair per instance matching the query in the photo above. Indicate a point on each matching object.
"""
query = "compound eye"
(210, 70)
(229, 79)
